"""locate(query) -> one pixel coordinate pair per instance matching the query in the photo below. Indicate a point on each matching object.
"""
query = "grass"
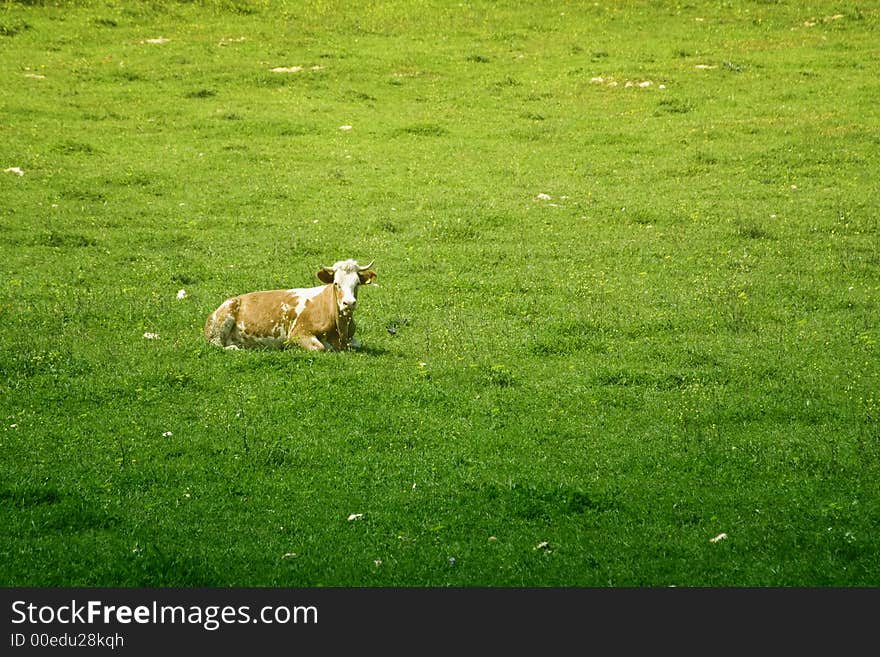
(679, 339)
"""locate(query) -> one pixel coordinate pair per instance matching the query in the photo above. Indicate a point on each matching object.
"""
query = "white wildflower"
(181, 294)
(720, 537)
(151, 336)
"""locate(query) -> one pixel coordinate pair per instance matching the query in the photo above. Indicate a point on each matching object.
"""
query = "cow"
(314, 318)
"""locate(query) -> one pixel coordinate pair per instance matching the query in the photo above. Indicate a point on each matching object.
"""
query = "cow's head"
(346, 276)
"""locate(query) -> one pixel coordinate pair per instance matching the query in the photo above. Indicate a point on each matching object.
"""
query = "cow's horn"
(365, 267)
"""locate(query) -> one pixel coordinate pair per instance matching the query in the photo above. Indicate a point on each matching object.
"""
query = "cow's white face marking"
(346, 279)
(346, 290)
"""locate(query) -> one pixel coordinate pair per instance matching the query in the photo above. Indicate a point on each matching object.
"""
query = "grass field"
(628, 253)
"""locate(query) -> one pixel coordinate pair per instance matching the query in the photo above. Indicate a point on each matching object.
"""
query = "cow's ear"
(325, 275)
(367, 276)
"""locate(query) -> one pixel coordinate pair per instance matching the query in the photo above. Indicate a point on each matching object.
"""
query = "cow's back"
(255, 319)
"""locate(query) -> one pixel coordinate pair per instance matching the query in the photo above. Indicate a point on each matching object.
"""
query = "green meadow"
(625, 330)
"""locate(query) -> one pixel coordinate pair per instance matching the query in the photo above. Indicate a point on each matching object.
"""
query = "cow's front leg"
(299, 338)
(309, 342)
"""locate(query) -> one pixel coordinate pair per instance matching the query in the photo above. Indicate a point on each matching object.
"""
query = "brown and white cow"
(315, 318)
